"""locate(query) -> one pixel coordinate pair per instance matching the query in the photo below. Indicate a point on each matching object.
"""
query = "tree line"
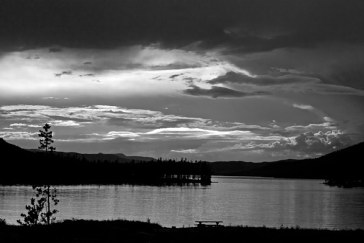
(52, 168)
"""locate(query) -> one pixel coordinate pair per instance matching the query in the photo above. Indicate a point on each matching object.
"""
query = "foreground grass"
(134, 231)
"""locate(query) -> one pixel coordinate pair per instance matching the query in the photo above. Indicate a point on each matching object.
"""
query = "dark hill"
(99, 157)
(10, 149)
(346, 165)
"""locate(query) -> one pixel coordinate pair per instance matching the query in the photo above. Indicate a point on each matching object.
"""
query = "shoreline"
(137, 231)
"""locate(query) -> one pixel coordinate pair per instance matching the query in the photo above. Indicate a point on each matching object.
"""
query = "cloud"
(87, 75)
(217, 91)
(32, 57)
(55, 49)
(148, 122)
(126, 71)
(175, 134)
(198, 132)
(63, 73)
(64, 123)
(174, 76)
(311, 127)
(329, 63)
(334, 90)
(272, 83)
(327, 124)
(143, 52)
(54, 98)
(244, 26)
(303, 107)
(307, 144)
(139, 70)
(137, 124)
(261, 80)
(110, 116)
(185, 151)
(112, 135)
(139, 130)
(17, 135)
(23, 125)
(319, 143)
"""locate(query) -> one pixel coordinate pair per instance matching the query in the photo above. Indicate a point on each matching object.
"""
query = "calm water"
(234, 200)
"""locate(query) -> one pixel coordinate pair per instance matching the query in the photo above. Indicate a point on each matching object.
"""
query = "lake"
(234, 200)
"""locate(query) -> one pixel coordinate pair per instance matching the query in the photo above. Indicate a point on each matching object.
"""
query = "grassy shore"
(133, 231)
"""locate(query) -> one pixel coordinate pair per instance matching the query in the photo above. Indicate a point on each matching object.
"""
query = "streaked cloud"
(23, 125)
(113, 116)
(303, 145)
(17, 135)
(261, 80)
(223, 92)
(141, 128)
(304, 107)
(63, 73)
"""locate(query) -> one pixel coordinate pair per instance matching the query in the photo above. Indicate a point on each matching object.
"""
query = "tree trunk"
(49, 206)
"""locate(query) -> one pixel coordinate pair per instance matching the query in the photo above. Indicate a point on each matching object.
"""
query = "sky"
(203, 80)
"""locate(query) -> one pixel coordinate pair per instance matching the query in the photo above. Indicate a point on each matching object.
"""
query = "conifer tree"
(39, 210)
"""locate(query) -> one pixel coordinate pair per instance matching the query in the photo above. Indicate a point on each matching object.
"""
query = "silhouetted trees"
(68, 169)
(46, 143)
(46, 140)
(2, 222)
(39, 210)
(56, 168)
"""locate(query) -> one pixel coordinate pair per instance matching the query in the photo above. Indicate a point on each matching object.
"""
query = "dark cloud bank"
(217, 91)
(235, 27)
(242, 26)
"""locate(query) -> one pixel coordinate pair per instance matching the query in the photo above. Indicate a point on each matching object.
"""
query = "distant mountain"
(119, 157)
(346, 164)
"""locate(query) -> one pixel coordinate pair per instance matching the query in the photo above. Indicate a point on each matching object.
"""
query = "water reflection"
(236, 201)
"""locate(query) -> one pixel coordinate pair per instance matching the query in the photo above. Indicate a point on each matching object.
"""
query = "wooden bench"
(210, 223)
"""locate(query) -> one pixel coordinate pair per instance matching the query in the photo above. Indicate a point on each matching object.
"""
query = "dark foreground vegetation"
(20, 166)
(132, 231)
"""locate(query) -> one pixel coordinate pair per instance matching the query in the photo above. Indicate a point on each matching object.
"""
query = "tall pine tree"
(39, 210)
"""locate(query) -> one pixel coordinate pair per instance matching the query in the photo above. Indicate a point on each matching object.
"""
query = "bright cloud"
(320, 142)
(135, 70)
(15, 135)
(304, 107)
(142, 70)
